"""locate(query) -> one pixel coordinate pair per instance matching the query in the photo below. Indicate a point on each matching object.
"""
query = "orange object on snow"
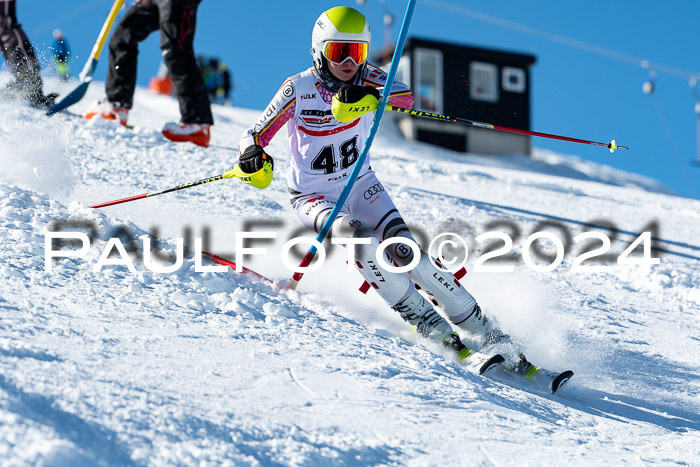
(161, 85)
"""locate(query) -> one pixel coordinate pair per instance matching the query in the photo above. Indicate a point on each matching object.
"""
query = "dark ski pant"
(19, 53)
(176, 20)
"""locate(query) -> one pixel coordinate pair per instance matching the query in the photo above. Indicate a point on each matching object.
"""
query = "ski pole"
(419, 113)
(260, 179)
(244, 270)
(294, 281)
(90, 65)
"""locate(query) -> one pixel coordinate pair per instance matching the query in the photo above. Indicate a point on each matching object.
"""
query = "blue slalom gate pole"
(365, 150)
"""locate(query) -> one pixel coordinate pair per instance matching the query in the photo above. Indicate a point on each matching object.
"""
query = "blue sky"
(587, 82)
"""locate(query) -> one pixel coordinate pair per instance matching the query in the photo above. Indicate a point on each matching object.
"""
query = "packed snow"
(114, 367)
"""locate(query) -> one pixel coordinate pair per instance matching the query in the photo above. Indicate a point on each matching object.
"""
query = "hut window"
(513, 79)
(428, 80)
(483, 82)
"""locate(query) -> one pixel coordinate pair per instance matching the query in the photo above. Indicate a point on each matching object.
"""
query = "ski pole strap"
(260, 179)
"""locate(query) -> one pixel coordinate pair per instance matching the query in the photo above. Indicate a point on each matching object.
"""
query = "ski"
(536, 378)
(68, 113)
(540, 379)
(482, 363)
(520, 370)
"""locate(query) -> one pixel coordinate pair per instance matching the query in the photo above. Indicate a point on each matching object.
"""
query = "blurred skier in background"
(217, 79)
(225, 84)
(176, 20)
(60, 55)
(21, 59)
(209, 67)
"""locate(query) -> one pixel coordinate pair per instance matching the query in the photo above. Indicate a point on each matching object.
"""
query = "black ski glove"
(350, 93)
(253, 159)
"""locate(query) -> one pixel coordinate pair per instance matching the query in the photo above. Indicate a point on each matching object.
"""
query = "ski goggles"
(338, 52)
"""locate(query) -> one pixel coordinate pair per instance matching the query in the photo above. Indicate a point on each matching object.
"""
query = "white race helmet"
(339, 24)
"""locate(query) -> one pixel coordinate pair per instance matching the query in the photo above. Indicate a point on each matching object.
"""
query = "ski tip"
(561, 380)
(492, 362)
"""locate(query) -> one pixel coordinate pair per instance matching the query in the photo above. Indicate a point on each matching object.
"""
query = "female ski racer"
(321, 154)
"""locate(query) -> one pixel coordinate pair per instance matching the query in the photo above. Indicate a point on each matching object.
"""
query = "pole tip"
(612, 146)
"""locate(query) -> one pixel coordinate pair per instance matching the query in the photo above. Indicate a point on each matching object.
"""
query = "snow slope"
(139, 368)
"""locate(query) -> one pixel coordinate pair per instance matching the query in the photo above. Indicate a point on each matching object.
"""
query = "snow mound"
(33, 155)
